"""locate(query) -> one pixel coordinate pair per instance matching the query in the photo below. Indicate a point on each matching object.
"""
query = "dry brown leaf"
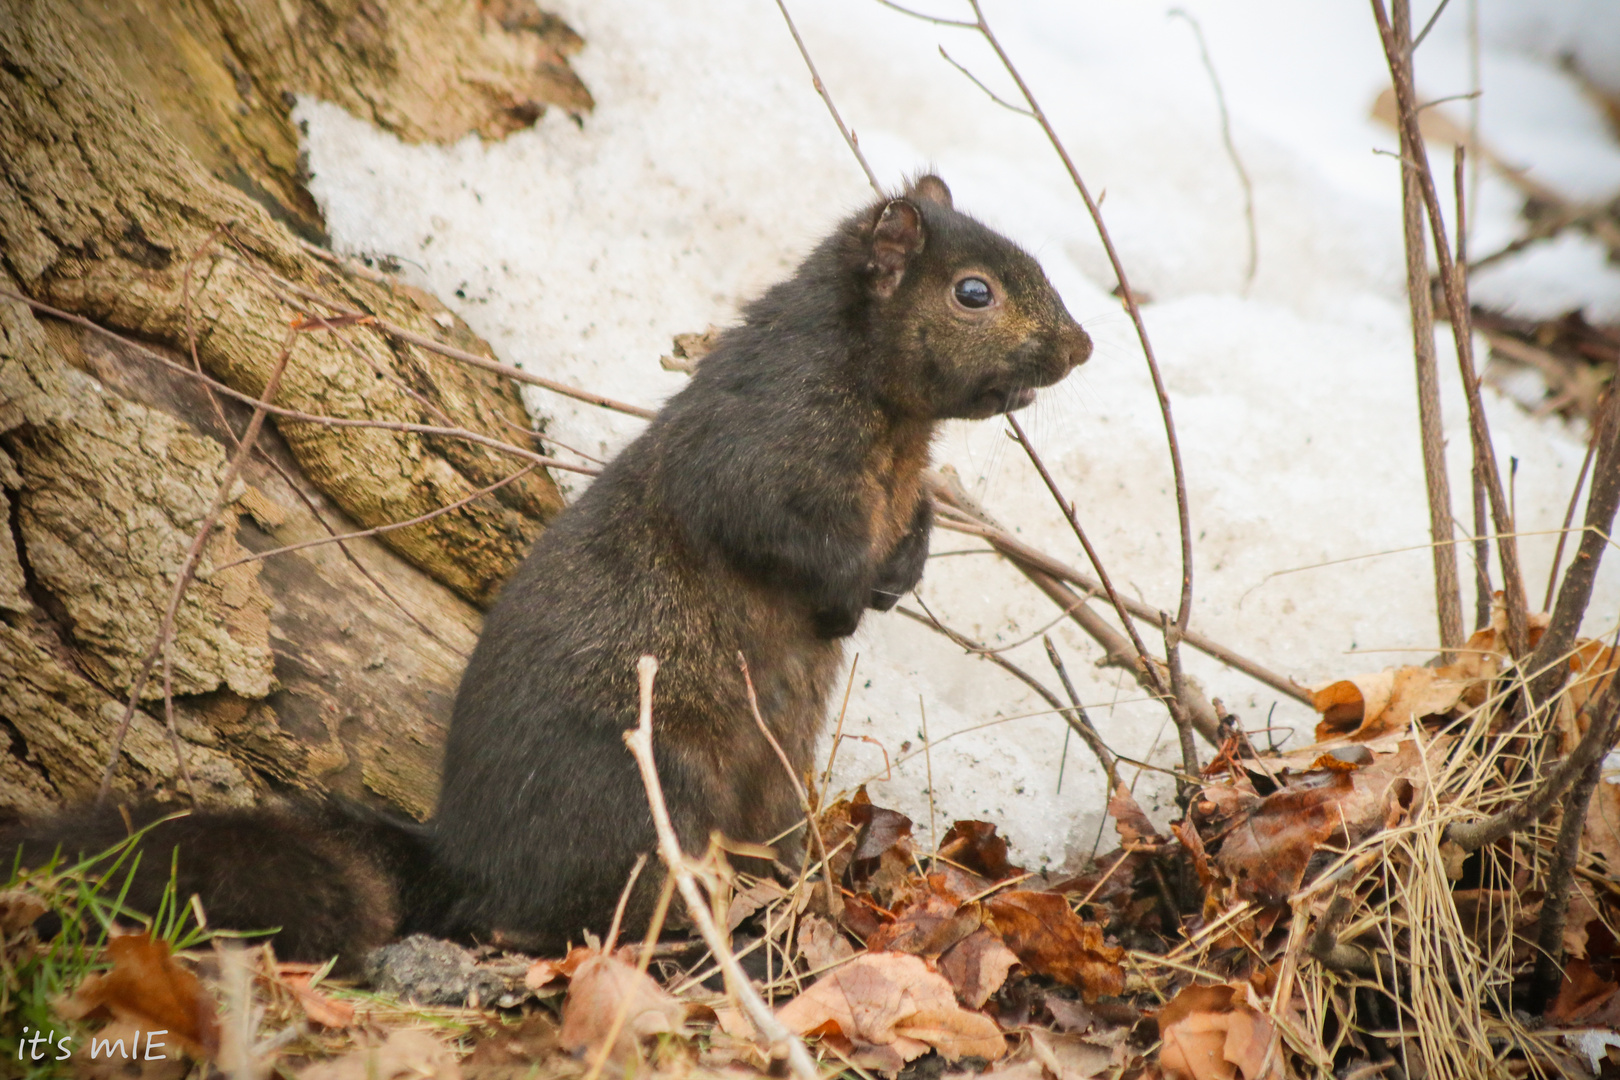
(751, 900)
(1264, 852)
(1592, 669)
(148, 989)
(407, 1054)
(1367, 706)
(977, 966)
(1582, 993)
(1069, 1057)
(975, 845)
(893, 1001)
(601, 988)
(18, 910)
(1216, 1033)
(821, 944)
(320, 1009)
(1050, 939)
(1130, 822)
(1601, 835)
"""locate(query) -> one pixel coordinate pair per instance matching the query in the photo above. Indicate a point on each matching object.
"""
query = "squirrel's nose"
(1076, 346)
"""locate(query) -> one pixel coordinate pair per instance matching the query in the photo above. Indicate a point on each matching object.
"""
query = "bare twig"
(188, 567)
(1396, 52)
(1179, 712)
(295, 414)
(834, 901)
(826, 99)
(639, 740)
(1430, 24)
(339, 538)
(1147, 662)
(1596, 742)
(1184, 610)
(1448, 599)
(1555, 907)
(1545, 670)
(1482, 556)
(935, 19)
(989, 93)
(1074, 714)
(463, 356)
(1569, 516)
(1231, 147)
(1027, 559)
(979, 23)
(1080, 721)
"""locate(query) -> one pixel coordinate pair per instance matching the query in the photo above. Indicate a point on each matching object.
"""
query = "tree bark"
(149, 181)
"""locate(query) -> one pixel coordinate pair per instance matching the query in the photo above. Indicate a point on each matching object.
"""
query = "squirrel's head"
(967, 322)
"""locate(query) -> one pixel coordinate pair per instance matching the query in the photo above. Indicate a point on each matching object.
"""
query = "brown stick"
(1594, 744)
(461, 355)
(639, 740)
(1105, 757)
(338, 538)
(1448, 600)
(835, 903)
(1482, 556)
(1457, 306)
(1080, 724)
(1185, 790)
(1231, 147)
(1184, 517)
(1028, 559)
(1546, 668)
(188, 567)
(294, 414)
(1160, 688)
(1569, 516)
(826, 98)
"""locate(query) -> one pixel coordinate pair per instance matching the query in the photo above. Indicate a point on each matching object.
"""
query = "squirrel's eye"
(972, 292)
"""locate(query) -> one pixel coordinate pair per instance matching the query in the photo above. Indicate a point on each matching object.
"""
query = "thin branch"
(1073, 715)
(1569, 516)
(1027, 558)
(295, 414)
(1179, 712)
(639, 740)
(826, 98)
(1430, 25)
(1596, 742)
(1067, 507)
(1549, 970)
(1184, 611)
(835, 903)
(1447, 595)
(1081, 721)
(461, 355)
(338, 538)
(935, 19)
(1457, 306)
(1231, 147)
(991, 94)
(1482, 556)
(1602, 501)
(188, 567)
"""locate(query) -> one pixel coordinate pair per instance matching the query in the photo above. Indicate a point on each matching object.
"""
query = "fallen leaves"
(1217, 1033)
(610, 1001)
(146, 988)
(890, 1008)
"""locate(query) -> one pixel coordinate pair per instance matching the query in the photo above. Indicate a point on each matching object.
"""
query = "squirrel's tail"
(338, 879)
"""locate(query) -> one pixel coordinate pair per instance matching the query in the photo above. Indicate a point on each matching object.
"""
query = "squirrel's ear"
(932, 188)
(897, 236)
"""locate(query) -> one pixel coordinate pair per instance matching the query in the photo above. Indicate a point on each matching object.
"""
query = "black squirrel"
(768, 504)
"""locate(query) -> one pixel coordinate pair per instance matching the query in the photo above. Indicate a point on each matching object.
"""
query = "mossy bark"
(149, 181)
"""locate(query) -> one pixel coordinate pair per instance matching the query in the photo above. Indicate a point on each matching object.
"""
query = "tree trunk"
(149, 181)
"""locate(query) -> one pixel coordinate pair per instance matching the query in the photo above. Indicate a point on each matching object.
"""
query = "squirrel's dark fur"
(768, 504)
